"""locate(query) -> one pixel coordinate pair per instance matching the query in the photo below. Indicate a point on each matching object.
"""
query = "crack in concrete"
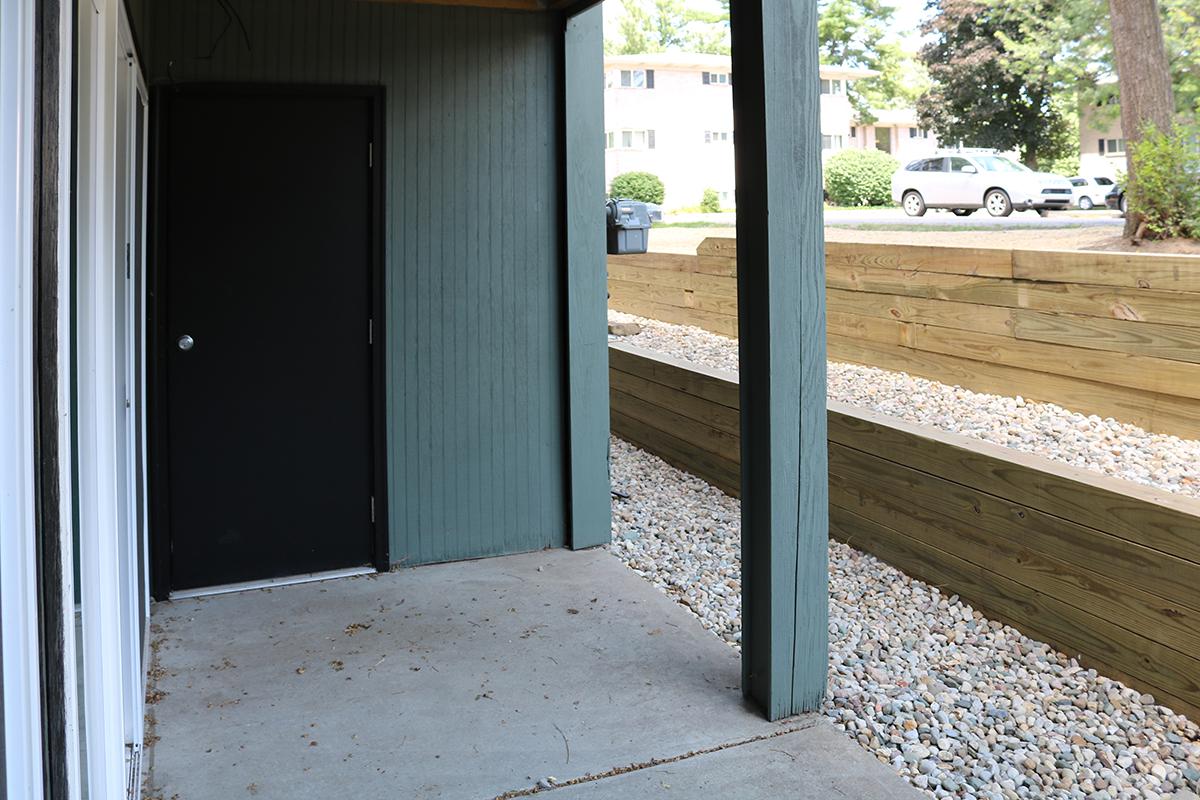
(654, 762)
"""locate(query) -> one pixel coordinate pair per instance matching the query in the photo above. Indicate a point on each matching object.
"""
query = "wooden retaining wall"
(1113, 334)
(1102, 568)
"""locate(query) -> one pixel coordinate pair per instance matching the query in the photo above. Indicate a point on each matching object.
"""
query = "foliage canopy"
(977, 97)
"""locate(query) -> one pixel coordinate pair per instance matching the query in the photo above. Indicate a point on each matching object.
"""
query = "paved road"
(1019, 219)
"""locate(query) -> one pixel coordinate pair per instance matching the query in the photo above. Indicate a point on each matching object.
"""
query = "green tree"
(1181, 21)
(977, 97)
(1073, 47)
(854, 33)
(653, 26)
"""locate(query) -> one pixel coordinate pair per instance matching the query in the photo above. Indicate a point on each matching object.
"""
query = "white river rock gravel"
(961, 706)
(1103, 445)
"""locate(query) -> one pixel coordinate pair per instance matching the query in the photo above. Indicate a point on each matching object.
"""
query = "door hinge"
(370, 330)
(370, 154)
(372, 508)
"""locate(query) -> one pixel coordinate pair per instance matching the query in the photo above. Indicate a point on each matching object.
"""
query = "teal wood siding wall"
(474, 332)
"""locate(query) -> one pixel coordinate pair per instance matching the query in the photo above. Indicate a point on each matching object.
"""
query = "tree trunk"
(1145, 78)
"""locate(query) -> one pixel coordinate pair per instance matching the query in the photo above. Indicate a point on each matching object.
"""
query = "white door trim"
(99, 488)
(18, 557)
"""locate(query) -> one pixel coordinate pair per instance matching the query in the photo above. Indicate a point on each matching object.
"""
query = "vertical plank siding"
(1099, 567)
(474, 336)
(1112, 334)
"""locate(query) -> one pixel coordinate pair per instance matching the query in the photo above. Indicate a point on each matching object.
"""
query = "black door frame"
(157, 340)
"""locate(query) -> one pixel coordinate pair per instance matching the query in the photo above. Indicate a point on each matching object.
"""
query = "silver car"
(964, 182)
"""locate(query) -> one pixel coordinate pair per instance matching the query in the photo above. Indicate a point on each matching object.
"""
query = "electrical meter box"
(628, 227)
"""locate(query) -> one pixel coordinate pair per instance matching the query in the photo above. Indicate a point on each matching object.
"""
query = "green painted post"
(586, 282)
(781, 323)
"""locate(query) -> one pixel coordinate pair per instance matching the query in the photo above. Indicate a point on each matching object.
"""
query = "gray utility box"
(628, 226)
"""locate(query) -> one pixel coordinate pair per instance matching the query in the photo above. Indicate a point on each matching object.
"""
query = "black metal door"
(265, 216)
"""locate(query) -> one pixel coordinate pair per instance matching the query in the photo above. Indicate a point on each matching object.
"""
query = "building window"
(918, 133)
(716, 78)
(718, 137)
(853, 132)
(1114, 147)
(629, 140)
(634, 79)
(829, 86)
(831, 141)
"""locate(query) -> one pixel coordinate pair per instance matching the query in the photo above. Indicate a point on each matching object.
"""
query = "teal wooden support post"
(781, 352)
(586, 280)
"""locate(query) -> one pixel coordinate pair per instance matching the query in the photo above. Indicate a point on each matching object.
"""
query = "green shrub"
(642, 186)
(711, 202)
(1166, 191)
(860, 177)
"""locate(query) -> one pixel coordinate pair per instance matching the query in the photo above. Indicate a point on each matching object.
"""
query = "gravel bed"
(961, 706)
(1102, 445)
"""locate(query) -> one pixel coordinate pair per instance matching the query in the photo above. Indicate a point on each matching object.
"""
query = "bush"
(642, 186)
(711, 202)
(860, 177)
(1166, 191)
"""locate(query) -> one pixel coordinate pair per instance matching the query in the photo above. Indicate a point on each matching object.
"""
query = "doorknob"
(186, 342)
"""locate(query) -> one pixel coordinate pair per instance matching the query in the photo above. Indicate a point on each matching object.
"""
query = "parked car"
(1116, 199)
(964, 182)
(1087, 193)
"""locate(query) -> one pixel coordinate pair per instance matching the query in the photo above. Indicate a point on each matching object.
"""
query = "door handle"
(185, 342)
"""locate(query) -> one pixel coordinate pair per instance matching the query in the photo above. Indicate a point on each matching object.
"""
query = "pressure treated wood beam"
(780, 280)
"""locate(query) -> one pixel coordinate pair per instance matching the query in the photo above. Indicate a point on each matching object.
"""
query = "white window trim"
(618, 135)
(18, 576)
(632, 71)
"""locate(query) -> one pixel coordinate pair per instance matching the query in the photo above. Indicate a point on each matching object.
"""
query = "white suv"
(964, 182)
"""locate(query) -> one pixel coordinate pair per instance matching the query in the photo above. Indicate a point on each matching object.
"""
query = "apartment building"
(672, 114)
(896, 131)
(1101, 140)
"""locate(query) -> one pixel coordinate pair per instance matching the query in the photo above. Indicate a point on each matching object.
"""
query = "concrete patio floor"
(473, 680)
